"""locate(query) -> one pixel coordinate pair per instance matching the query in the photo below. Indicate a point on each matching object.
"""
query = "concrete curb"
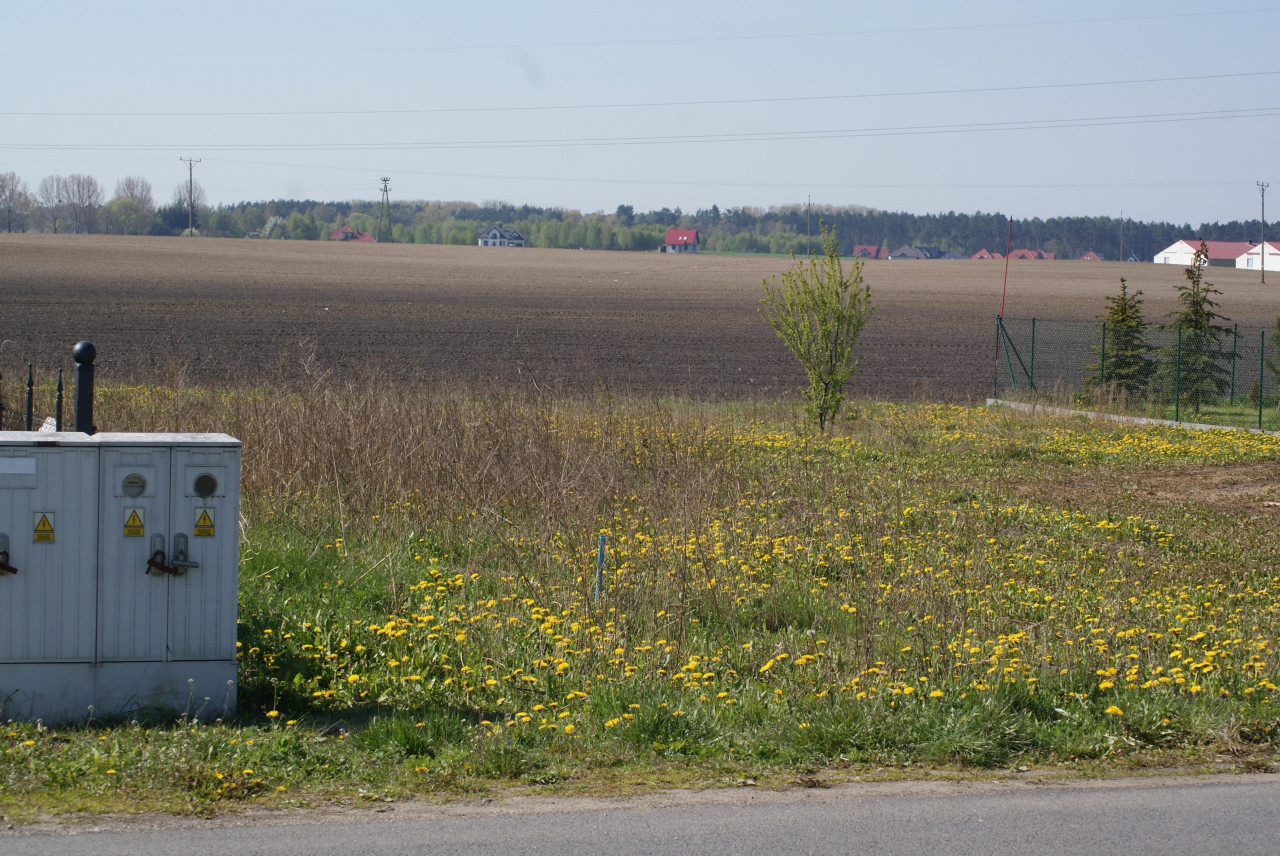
(1116, 417)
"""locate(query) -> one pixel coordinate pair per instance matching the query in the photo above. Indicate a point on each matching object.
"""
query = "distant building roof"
(346, 233)
(499, 232)
(679, 237)
(866, 251)
(1218, 250)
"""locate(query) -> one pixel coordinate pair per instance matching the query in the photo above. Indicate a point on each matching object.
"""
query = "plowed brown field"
(555, 320)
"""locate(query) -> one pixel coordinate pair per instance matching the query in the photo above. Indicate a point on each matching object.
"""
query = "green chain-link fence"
(1226, 376)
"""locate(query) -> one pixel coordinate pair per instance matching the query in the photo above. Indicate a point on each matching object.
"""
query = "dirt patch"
(1246, 493)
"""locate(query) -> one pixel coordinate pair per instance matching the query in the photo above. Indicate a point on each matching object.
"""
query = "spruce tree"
(1193, 361)
(1124, 363)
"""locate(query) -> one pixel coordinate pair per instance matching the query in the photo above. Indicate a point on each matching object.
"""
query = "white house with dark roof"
(498, 235)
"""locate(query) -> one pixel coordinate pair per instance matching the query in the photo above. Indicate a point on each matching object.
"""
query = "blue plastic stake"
(600, 567)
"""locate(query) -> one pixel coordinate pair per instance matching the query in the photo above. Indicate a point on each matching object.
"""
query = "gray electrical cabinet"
(118, 574)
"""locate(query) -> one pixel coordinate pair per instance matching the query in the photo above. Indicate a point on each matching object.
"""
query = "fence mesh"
(1226, 376)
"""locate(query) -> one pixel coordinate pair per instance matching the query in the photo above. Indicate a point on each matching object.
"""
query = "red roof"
(682, 236)
(1221, 250)
(346, 233)
(1225, 249)
(984, 254)
(866, 251)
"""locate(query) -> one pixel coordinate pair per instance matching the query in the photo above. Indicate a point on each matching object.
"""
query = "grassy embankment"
(931, 584)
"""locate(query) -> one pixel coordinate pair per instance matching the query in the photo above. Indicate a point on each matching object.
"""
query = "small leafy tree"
(1193, 366)
(818, 312)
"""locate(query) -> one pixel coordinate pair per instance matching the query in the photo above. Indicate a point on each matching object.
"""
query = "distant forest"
(75, 203)
(781, 230)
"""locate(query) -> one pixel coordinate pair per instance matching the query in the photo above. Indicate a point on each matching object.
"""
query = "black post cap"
(84, 352)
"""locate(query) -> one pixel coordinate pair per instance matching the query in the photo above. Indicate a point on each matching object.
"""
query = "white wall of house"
(1254, 259)
(1179, 253)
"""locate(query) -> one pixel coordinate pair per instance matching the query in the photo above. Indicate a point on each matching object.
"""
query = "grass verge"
(924, 587)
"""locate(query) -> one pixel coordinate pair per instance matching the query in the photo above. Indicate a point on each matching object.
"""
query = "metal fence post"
(1235, 347)
(1102, 363)
(1177, 378)
(600, 566)
(30, 396)
(1031, 375)
(995, 373)
(57, 413)
(84, 353)
(1262, 366)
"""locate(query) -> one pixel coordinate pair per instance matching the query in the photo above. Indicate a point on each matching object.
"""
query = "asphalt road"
(1202, 815)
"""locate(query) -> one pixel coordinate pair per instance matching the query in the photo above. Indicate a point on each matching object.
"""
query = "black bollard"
(84, 353)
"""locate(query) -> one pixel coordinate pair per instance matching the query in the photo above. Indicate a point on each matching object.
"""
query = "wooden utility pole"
(1262, 247)
(191, 194)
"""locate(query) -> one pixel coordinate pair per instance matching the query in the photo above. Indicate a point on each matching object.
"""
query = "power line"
(736, 183)
(790, 99)
(674, 139)
(609, 43)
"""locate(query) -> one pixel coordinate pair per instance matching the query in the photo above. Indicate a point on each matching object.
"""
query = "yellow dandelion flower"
(1114, 711)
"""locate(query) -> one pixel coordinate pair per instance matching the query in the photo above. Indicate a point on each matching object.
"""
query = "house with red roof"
(1090, 256)
(1030, 254)
(681, 241)
(1221, 253)
(346, 233)
(983, 254)
(866, 251)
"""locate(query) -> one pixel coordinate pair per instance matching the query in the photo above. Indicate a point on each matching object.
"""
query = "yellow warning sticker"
(133, 527)
(204, 523)
(43, 533)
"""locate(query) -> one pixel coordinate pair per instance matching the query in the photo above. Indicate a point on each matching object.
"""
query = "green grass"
(927, 585)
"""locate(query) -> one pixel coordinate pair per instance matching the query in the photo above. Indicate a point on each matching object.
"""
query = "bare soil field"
(552, 321)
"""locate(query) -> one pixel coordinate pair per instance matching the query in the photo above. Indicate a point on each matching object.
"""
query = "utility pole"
(384, 210)
(1262, 247)
(1121, 235)
(191, 194)
(808, 240)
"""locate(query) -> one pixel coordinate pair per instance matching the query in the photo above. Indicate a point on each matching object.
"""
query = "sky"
(1154, 110)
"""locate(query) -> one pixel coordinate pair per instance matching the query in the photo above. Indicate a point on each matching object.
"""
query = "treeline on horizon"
(77, 205)
(776, 230)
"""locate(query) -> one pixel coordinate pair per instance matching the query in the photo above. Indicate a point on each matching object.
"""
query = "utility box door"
(47, 499)
(206, 515)
(134, 522)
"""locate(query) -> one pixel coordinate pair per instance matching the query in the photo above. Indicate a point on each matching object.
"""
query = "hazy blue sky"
(1162, 110)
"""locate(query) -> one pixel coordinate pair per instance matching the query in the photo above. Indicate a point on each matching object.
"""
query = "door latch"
(156, 563)
(181, 564)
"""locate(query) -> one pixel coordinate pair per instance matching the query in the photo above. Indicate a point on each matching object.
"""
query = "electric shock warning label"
(133, 525)
(204, 523)
(43, 532)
